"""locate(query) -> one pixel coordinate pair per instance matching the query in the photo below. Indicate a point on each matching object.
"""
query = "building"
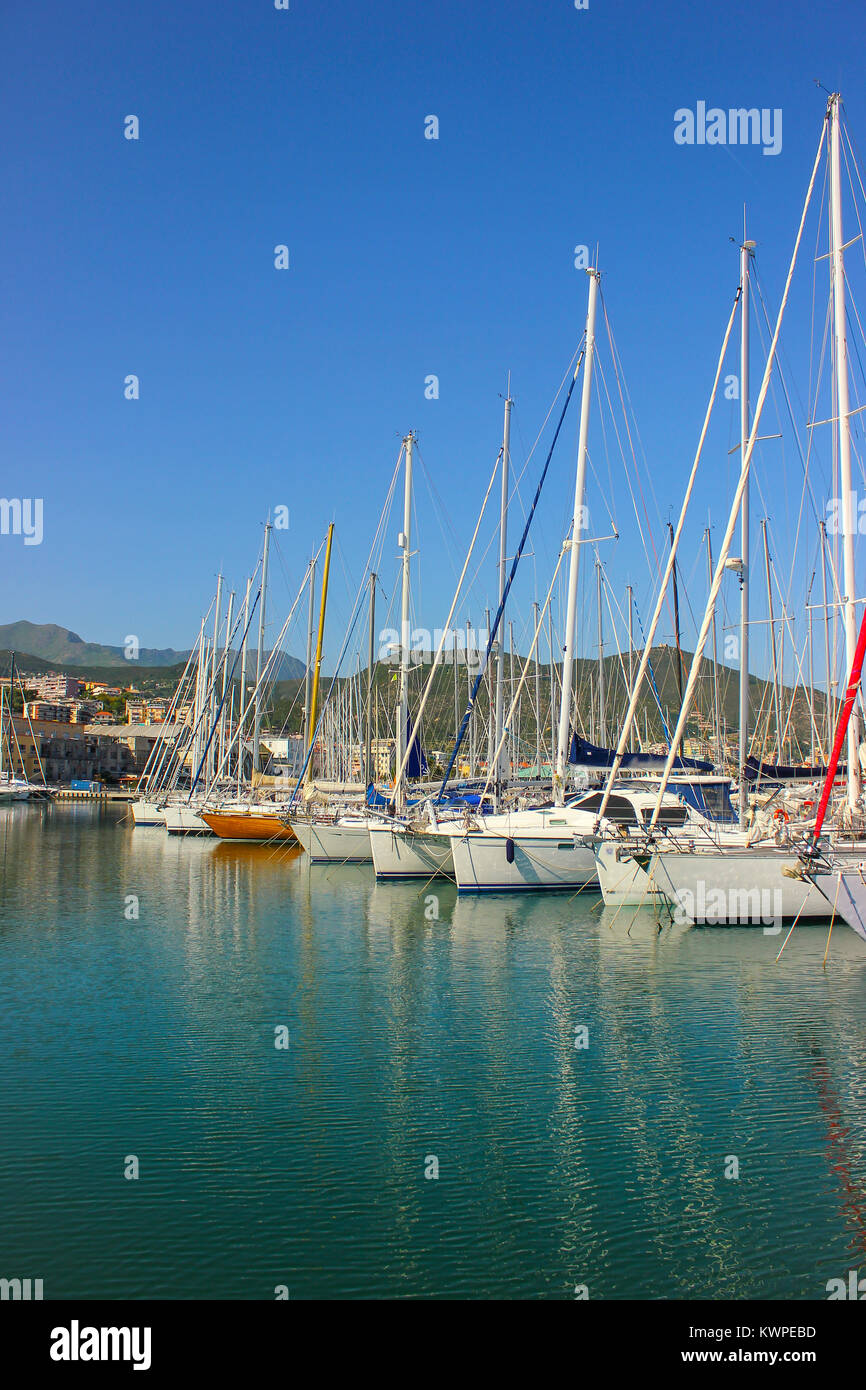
(54, 686)
(22, 750)
(62, 711)
(137, 739)
(53, 713)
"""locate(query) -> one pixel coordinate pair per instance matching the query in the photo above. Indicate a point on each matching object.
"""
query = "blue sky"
(408, 257)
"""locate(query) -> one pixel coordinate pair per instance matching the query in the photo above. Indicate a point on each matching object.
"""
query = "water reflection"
(421, 1024)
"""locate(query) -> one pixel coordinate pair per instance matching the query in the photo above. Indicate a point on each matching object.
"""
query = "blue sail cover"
(417, 764)
(586, 754)
(755, 771)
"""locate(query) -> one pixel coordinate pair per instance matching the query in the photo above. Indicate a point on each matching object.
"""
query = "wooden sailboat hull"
(255, 824)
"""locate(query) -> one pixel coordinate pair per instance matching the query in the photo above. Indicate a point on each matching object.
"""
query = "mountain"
(64, 649)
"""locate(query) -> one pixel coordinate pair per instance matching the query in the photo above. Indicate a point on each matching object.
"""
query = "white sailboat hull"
(845, 893)
(745, 887)
(538, 860)
(185, 820)
(344, 842)
(147, 813)
(399, 852)
(622, 880)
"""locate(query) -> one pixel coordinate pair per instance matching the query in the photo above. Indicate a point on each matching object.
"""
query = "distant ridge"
(63, 648)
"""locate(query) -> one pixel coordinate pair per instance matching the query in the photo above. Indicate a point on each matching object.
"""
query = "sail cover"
(417, 764)
(586, 754)
(755, 770)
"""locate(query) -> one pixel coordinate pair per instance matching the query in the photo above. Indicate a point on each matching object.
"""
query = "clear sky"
(408, 257)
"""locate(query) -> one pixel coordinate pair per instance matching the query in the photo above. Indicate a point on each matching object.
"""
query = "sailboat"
(542, 847)
(735, 881)
(12, 788)
(253, 817)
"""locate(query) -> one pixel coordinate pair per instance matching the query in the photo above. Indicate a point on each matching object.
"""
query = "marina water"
(335, 1088)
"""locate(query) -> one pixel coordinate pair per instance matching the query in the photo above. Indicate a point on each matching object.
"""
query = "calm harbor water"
(410, 1037)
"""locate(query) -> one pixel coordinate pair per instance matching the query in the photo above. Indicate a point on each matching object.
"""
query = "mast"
(243, 700)
(628, 590)
(213, 669)
(574, 545)
(537, 625)
(677, 619)
(830, 701)
(515, 727)
(404, 540)
(314, 696)
(368, 733)
(501, 766)
(257, 710)
(837, 275)
(552, 688)
(309, 672)
(491, 702)
(229, 615)
(717, 722)
(746, 252)
(772, 617)
(469, 693)
(602, 729)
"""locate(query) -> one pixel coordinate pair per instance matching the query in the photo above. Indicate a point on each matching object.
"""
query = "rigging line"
(502, 602)
(847, 137)
(651, 674)
(621, 382)
(413, 734)
(602, 381)
(607, 593)
(807, 486)
(575, 358)
(438, 505)
(597, 384)
(506, 723)
(736, 505)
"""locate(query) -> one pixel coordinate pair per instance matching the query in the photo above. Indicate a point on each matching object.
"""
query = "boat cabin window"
(618, 809)
(668, 815)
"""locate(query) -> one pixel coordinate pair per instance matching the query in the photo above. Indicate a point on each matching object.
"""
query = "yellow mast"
(314, 697)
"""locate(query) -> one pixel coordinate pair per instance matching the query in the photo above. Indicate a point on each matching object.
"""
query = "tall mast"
(368, 735)
(746, 252)
(676, 593)
(574, 544)
(314, 696)
(243, 700)
(404, 541)
(311, 617)
(213, 673)
(602, 730)
(515, 724)
(775, 658)
(501, 765)
(536, 629)
(628, 590)
(257, 710)
(229, 615)
(717, 720)
(837, 275)
(491, 703)
(829, 703)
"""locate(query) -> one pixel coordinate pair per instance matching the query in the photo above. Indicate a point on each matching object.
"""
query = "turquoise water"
(410, 1038)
